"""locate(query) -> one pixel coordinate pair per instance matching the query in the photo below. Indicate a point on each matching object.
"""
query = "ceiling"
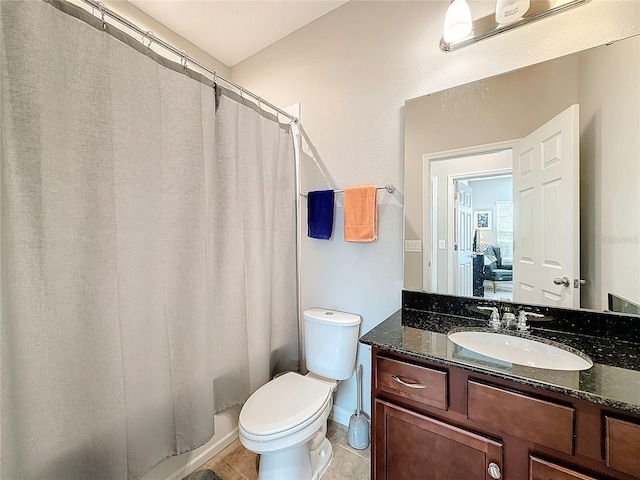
(233, 30)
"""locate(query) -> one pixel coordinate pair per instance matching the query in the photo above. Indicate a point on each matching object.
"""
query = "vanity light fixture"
(508, 11)
(457, 21)
(509, 14)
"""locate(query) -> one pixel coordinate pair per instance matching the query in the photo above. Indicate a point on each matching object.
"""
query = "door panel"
(464, 240)
(546, 213)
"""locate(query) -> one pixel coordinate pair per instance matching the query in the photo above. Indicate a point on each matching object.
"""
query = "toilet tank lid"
(331, 317)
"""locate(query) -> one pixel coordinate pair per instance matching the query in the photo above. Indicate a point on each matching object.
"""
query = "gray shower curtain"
(255, 252)
(125, 295)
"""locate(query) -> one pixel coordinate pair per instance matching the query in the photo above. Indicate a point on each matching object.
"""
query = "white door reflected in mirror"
(546, 172)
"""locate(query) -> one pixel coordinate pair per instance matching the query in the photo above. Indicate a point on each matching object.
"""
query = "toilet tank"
(330, 342)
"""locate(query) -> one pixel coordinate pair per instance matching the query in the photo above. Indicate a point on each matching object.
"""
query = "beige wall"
(610, 173)
(352, 71)
(141, 19)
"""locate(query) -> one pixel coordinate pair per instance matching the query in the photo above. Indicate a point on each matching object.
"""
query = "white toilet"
(285, 421)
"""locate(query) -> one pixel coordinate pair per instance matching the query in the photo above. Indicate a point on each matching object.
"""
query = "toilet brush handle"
(359, 388)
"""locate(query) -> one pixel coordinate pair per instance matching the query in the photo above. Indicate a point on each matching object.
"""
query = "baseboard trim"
(340, 415)
(203, 454)
(343, 416)
(179, 466)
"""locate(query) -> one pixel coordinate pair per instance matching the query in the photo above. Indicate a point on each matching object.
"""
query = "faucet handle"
(522, 319)
(494, 319)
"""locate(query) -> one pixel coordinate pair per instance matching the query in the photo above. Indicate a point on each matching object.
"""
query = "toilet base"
(321, 458)
(297, 463)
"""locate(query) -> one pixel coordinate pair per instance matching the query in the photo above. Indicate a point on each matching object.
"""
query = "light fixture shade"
(457, 21)
(508, 11)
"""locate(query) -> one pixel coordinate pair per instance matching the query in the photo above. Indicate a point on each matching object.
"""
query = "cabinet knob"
(494, 470)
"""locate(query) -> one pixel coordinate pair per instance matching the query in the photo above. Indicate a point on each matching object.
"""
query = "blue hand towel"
(320, 214)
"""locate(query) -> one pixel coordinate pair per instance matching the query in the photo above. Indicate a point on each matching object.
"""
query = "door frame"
(427, 159)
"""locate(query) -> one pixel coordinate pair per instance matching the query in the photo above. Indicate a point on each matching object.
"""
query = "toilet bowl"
(285, 422)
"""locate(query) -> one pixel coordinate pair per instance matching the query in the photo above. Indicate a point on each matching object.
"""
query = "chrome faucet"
(509, 319)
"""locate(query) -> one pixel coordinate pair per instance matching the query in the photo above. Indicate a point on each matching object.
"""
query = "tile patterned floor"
(237, 463)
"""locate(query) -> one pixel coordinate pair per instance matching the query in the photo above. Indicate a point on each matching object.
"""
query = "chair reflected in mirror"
(489, 269)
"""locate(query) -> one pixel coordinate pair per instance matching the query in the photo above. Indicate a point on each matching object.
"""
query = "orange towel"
(360, 214)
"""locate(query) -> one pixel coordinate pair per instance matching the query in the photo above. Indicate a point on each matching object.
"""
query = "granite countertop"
(613, 380)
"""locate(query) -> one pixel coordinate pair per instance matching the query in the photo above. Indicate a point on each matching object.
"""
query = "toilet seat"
(288, 403)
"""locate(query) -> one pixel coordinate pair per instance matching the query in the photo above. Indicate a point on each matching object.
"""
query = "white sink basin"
(521, 351)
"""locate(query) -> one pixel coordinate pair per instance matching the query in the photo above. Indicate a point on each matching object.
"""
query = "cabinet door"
(542, 470)
(622, 445)
(412, 446)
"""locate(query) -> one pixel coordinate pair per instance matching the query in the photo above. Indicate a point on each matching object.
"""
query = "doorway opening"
(492, 235)
(471, 196)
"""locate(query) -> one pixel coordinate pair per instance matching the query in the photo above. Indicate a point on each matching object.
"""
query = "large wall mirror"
(497, 193)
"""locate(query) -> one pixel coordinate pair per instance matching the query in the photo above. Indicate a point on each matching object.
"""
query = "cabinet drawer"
(622, 446)
(545, 423)
(420, 384)
(542, 470)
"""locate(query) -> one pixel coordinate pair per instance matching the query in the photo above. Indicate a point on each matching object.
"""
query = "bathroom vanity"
(445, 412)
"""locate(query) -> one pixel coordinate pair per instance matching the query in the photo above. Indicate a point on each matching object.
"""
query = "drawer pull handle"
(410, 385)
(494, 471)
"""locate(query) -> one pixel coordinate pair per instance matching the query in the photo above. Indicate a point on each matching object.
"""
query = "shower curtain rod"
(184, 58)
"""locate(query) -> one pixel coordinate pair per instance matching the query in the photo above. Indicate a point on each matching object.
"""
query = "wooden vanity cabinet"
(416, 445)
(433, 421)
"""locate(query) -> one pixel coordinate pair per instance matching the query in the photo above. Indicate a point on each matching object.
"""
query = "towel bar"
(388, 188)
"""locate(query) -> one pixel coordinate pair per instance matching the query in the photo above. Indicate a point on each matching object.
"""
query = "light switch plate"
(412, 245)
(442, 245)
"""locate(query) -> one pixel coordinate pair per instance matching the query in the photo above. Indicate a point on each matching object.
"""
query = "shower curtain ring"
(259, 103)
(242, 94)
(103, 9)
(185, 59)
(215, 77)
(150, 36)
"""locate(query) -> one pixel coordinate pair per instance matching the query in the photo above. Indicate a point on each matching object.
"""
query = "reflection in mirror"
(467, 197)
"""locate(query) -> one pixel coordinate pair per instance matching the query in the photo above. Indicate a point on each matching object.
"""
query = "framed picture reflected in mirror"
(482, 219)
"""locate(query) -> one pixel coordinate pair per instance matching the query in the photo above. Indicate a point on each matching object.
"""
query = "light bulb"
(508, 11)
(457, 21)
